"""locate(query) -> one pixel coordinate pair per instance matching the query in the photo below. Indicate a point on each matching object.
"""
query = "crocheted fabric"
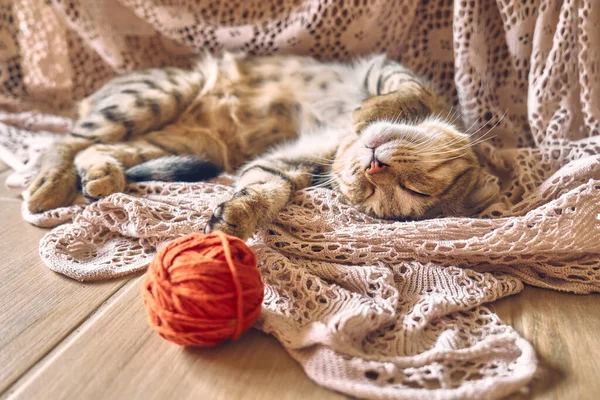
(371, 308)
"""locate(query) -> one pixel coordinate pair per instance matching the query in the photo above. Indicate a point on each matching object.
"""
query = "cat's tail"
(173, 169)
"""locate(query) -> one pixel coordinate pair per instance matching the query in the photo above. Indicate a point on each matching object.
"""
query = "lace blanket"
(374, 309)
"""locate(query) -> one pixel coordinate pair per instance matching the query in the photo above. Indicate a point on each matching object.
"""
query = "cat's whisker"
(327, 163)
(323, 175)
(495, 125)
(471, 144)
(450, 110)
(425, 142)
(453, 114)
(483, 138)
(455, 140)
(315, 157)
(437, 150)
(465, 147)
(327, 183)
(472, 125)
(398, 117)
(457, 114)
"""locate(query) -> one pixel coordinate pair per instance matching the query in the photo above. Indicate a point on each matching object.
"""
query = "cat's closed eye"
(414, 192)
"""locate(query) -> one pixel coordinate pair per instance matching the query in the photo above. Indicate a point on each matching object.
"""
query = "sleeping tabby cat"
(372, 130)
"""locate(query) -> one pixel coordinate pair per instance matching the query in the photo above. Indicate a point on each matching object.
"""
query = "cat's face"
(404, 171)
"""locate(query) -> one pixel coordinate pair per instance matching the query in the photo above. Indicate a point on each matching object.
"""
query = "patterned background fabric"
(370, 308)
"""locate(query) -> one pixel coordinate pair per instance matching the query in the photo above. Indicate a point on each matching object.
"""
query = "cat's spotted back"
(283, 123)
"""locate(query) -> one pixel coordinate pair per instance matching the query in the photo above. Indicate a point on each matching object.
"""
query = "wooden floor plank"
(563, 329)
(119, 357)
(38, 308)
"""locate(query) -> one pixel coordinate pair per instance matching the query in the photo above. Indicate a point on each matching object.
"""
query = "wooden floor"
(60, 339)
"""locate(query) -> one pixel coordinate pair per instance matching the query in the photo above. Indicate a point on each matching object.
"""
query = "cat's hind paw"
(100, 181)
(52, 188)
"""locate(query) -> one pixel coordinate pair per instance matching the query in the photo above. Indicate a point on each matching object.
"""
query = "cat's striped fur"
(372, 130)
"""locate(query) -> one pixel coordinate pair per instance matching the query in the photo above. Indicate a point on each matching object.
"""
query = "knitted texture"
(375, 309)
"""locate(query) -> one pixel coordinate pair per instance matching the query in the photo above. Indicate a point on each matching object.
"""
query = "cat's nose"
(376, 167)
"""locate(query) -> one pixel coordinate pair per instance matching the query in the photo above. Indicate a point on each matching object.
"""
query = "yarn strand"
(238, 285)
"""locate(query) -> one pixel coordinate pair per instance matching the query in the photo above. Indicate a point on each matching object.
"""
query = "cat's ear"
(457, 200)
(484, 192)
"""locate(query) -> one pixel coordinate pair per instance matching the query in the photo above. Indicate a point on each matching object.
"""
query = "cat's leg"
(102, 166)
(56, 183)
(395, 93)
(127, 107)
(266, 185)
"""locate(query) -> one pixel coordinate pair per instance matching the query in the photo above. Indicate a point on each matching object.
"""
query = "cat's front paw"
(411, 102)
(52, 188)
(234, 217)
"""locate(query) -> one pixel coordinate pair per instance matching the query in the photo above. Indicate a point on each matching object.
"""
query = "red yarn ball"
(201, 290)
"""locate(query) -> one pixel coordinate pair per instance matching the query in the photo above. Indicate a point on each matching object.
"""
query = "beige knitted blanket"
(374, 309)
